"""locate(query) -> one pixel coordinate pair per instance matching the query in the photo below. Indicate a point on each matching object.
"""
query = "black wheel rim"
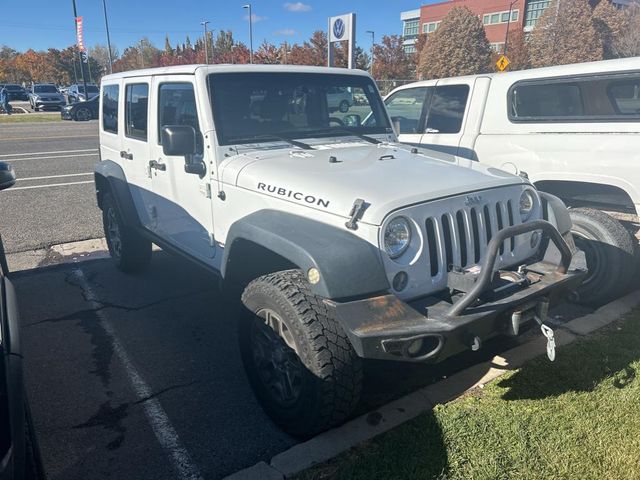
(596, 258)
(83, 114)
(276, 358)
(113, 233)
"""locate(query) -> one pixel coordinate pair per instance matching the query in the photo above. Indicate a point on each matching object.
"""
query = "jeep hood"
(386, 176)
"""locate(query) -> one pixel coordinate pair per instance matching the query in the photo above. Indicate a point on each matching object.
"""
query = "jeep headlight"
(527, 202)
(397, 237)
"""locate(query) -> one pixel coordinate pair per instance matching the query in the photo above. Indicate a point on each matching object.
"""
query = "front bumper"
(49, 103)
(432, 329)
(66, 114)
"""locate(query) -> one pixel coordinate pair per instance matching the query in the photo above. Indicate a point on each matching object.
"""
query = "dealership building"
(495, 16)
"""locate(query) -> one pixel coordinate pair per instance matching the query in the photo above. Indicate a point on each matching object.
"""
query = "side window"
(135, 110)
(544, 101)
(625, 96)
(446, 111)
(405, 108)
(177, 106)
(110, 94)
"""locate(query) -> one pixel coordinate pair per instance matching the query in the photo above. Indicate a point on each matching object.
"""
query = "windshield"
(90, 88)
(251, 107)
(45, 89)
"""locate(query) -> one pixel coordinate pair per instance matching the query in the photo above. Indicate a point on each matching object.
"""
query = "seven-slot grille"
(460, 239)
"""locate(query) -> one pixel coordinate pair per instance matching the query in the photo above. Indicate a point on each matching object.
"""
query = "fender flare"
(109, 175)
(555, 211)
(349, 266)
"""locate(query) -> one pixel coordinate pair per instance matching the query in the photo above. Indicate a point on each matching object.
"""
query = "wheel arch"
(110, 178)
(349, 266)
(589, 194)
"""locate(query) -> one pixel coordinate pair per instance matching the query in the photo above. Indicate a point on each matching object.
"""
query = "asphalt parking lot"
(53, 200)
(139, 376)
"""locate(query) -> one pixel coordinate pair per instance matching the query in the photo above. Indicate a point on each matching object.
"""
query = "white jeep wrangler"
(342, 244)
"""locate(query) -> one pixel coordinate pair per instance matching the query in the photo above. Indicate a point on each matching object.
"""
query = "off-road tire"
(344, 106)
(131, 252)
(331, 379)
(609, 250)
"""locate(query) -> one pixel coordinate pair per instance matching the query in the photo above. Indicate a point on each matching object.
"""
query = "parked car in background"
(339, 99)
(19, 453)
(573, 129)
(75, 93)
(45, 95)
(16, 92)
(81, 111)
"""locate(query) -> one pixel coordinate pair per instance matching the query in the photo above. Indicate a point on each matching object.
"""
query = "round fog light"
(535, 239)
(313, 275)
(400, 281)
(414, 348)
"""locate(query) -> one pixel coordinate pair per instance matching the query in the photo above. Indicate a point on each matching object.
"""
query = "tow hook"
(541, 314)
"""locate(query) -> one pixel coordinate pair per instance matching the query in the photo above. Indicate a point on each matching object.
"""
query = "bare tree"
(628, 43)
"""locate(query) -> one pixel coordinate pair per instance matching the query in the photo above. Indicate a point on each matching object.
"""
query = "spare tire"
(609, 251)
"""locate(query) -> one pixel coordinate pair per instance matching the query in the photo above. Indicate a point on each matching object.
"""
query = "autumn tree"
(458, 47)
(628, 43)
(609, 23)
(313, 52)
(390, 61)
(565, 33)
(518, 50)
(267, 53)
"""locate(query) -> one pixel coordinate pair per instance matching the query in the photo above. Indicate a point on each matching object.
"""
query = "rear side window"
(110, 94)
(587, 98)
(136, 110)
(446, 110)
(405, 108)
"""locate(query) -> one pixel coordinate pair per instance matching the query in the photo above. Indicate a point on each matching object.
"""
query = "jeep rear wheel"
(299, 361)
(609, 251)
(129, 250)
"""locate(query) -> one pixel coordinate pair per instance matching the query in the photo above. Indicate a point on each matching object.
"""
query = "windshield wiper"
(294, 143)
(366, 138)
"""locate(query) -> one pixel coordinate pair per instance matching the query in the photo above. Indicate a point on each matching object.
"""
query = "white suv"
(341, 243)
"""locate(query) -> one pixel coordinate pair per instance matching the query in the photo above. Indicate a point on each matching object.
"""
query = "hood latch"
(357, 210)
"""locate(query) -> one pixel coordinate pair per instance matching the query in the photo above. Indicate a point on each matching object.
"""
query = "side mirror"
(179, 140)
(7, 176)
(352, 120)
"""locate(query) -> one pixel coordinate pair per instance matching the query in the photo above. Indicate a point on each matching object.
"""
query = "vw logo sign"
(338, 28)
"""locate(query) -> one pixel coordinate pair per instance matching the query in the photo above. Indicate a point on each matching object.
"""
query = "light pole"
(248, 7)
(206, 40)
(373, 42)
(106, 24)
(506, 35)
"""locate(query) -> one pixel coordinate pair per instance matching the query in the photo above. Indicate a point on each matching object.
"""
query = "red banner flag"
(79, 34)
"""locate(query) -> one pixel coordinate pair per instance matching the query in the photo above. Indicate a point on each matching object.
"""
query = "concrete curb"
(333, 442)
(57, 254)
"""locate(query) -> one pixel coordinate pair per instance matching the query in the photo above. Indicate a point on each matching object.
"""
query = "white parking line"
(156, 416)
(47, 153)
(54, 176)
(15, 189)
(13, 160)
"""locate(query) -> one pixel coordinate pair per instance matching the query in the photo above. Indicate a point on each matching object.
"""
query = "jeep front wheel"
(129, 250)
(299, 361)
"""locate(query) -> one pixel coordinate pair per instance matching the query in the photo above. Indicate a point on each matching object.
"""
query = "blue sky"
(42, 24)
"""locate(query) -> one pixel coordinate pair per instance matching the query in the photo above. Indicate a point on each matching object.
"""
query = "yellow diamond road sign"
(503, 62)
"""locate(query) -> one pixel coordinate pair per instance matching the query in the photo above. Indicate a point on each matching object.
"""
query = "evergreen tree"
(458, 47)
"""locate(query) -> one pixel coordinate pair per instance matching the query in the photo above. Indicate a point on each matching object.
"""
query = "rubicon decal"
(287, 193)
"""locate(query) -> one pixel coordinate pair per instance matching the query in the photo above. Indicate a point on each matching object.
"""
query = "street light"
(506, 35)
(206, 48)
(106, 24)
(373, 42)
(248, 7)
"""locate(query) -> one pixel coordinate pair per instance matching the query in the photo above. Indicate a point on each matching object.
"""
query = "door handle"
(157, 165)
(124, 154)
